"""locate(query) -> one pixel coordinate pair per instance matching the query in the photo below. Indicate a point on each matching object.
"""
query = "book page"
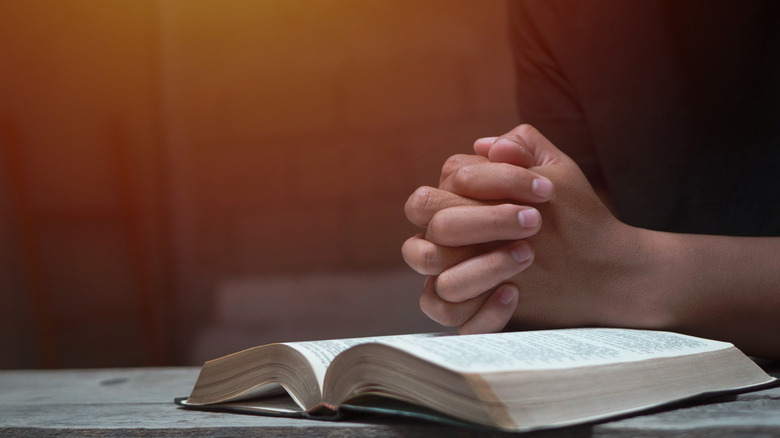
(548, 349)
(321, 353)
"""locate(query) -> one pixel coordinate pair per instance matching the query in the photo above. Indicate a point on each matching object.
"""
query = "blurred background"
(181, 178)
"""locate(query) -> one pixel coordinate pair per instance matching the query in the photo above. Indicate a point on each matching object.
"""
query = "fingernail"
(507, 294)
(542, 187)
(487, 139)
(504, 141)
(522, 252)
(529, 218)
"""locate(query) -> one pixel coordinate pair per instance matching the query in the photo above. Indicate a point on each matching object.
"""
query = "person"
(655, 202)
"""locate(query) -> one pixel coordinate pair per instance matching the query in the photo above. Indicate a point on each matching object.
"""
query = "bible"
(516, 381)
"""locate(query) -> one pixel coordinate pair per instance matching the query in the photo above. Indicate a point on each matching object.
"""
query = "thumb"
(508, 148)
(523, 146)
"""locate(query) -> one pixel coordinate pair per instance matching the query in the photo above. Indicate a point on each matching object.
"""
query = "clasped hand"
(515, 236)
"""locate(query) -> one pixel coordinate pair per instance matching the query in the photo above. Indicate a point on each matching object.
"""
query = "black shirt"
(673, 106)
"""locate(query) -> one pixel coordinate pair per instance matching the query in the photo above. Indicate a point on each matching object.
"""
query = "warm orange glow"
(154, 149)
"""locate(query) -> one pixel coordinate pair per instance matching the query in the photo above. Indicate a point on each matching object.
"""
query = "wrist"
(643, 285)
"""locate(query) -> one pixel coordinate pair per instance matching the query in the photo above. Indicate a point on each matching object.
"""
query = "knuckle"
(462, 177)
(513, 137)
(451, 164)
(418, 204)
(441, 312)
(525, 128)
(443, 286)
(447, 287)
(430, 259)
(407, 251)
(422, 256)
(432, 230)
(440, 230)
(431, 308)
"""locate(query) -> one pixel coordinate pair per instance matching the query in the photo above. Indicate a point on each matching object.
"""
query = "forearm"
(586, 267)
(718, 287)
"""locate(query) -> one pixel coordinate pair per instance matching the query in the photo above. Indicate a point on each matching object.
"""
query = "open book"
(512, 381)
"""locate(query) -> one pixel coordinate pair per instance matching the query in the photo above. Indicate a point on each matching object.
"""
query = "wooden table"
(139, 402)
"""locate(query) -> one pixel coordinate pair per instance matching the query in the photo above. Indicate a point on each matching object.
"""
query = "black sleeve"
(545, 97)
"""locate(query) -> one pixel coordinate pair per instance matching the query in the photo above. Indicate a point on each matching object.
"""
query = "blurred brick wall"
(81, 267)
(264, 138)
(299, 128)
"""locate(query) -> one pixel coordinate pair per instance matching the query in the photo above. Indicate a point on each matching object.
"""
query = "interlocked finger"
(469, 225)
(446, 313)
(426, 201)
(428, 258)
(498, 181)
(495, 313)
(455, 162)
(478, 274)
